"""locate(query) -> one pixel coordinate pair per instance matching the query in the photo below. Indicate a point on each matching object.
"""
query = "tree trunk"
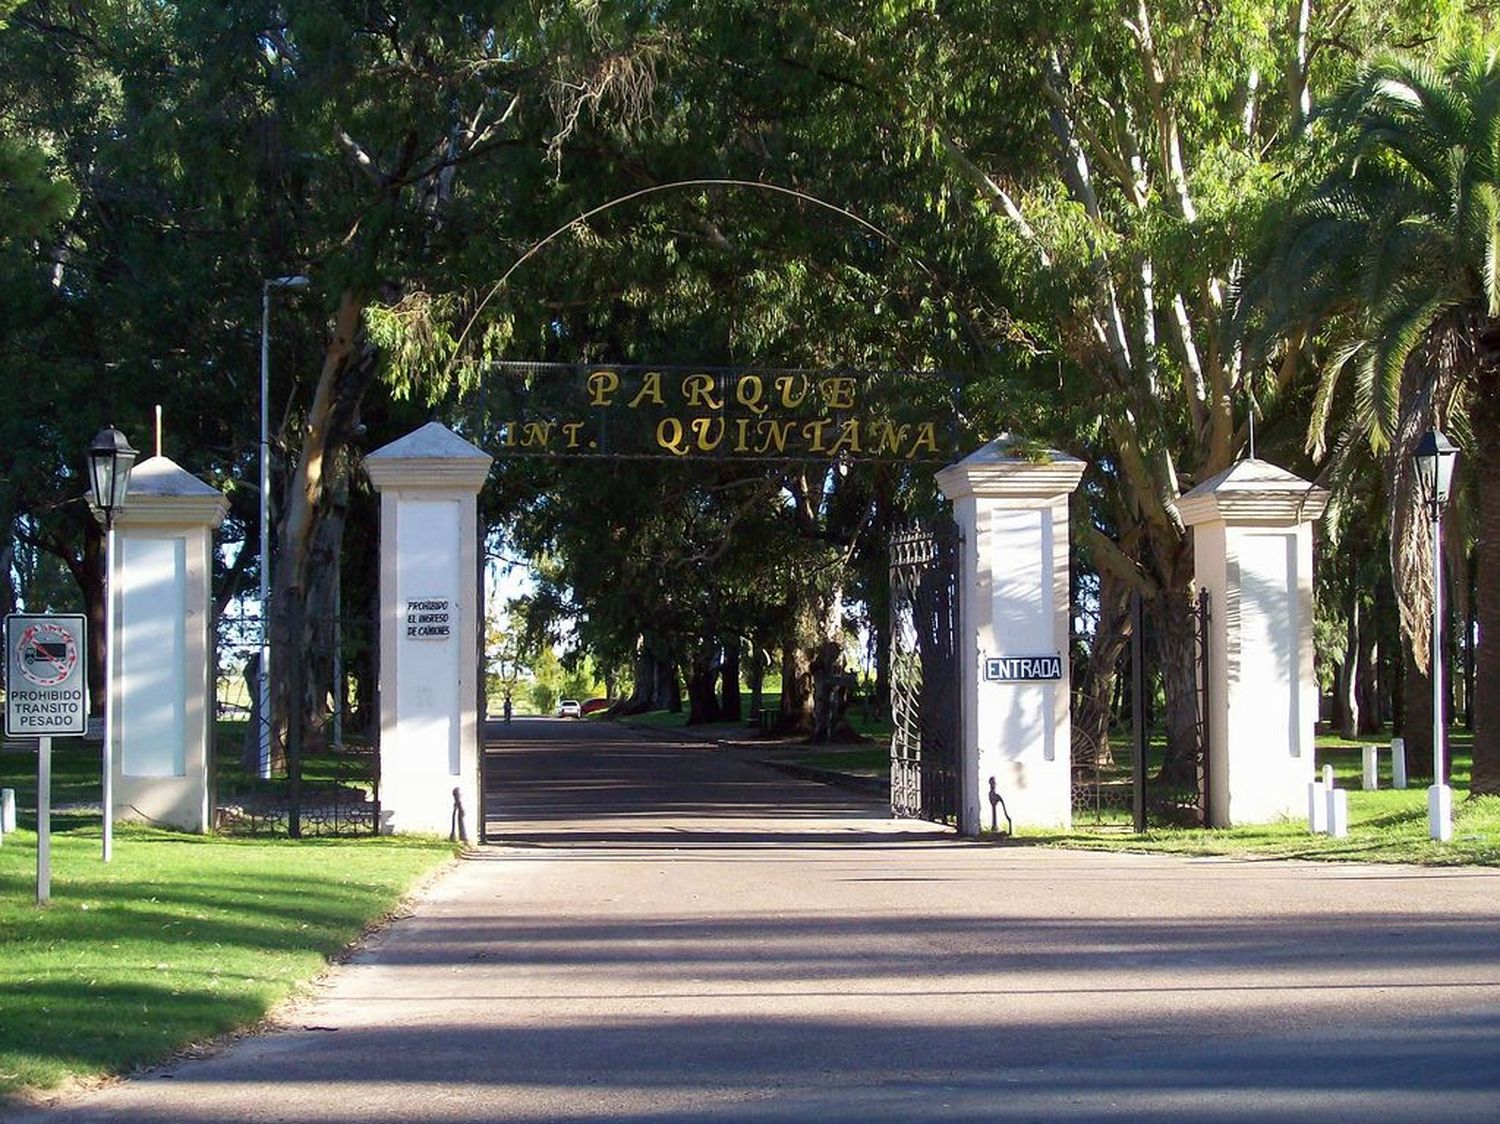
(1416, 713)
(796, 687)
(729, 695)
(832, 692)
(7, 568)
(1367, 686)
(880, 628)
(346, 373)
(654, 679)
(90, 573)
(324, 629)
(1177, 655)
(797, 668)
(668, 685)
(702, 684)
(1486, 422)
(1379, 676)
(757, 679)
(1346, 681)
(816, 619)
(1471, 574)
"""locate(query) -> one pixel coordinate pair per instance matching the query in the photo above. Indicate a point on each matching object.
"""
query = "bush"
(543, 697)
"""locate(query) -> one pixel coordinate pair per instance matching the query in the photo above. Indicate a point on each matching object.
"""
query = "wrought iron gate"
(1141, 772)
(334, 790)
(924, 672)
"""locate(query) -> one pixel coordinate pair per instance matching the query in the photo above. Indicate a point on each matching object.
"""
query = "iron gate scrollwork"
(924, 672)
(1145, 769)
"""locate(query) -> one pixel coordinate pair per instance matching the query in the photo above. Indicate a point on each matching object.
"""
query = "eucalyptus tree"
(784, 251)
(1128, 160)
(110, 300)
(1400, 249)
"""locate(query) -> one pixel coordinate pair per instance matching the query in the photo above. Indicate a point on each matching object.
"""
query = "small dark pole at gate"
(295, 670)
(456, 829)
(997, 805)
(1137, 717)
(1205, 812)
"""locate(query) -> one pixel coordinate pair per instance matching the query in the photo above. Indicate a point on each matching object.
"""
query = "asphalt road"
(663, 931)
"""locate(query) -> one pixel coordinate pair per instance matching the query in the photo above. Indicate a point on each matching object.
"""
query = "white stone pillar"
(1012, 508)
(1252, 550)
(164, 655)
(429, 482)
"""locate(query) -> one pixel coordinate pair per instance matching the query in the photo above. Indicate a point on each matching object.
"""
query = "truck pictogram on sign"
(47, 654)
(46, 685)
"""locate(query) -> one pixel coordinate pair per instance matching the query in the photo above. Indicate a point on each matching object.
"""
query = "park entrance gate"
(924, 672)
(1131, 768)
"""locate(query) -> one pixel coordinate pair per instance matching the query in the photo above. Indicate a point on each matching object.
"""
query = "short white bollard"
(1370, 756)
(7, 809)
(1440, 812)
(1398, 762)
(1338, 813)
(1317, 807)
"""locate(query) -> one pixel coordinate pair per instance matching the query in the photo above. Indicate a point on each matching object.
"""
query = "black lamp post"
(110, 460)
(1435, 456)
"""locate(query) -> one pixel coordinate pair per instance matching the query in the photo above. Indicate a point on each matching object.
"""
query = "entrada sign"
(743, 413)
(46, 684)
(1022, 669)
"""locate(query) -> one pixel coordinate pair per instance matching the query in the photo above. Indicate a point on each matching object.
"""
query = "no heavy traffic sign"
(46, 682)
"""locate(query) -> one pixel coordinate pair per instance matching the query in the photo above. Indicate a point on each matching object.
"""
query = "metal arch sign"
(46, 683)
(569, 411)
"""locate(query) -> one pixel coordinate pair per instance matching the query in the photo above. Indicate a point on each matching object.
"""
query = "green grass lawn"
(1383, 827)
(1386, 825)
(180, 938)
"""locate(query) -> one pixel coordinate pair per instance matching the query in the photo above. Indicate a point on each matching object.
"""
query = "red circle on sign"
(46, 654)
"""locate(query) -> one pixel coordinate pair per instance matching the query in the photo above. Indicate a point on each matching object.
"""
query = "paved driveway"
(664, 931)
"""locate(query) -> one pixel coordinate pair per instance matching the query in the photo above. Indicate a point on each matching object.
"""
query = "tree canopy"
(1079, 212)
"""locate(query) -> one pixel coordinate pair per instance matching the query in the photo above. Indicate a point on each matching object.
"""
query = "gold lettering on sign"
(670, 436)
(750, 393)
(774, 433)
(536, 433)
(570, 431)
(650, 390)
(888, 438)
(602, 387)
(926, 439)
(784, 385)
(698, 389)
(813, 431)
(837, 392)
(703, 427)
(848, 439)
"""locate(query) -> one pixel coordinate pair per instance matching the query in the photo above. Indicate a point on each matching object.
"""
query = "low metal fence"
(329, 784)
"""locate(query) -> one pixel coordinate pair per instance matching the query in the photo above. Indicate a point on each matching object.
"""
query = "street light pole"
(263, 679)
(110, 460)
(1435, 456)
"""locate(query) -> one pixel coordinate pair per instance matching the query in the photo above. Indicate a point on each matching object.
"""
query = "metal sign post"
(46, 695)
(43, 821)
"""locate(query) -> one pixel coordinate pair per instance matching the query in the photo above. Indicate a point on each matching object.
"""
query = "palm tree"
(1398, 253)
